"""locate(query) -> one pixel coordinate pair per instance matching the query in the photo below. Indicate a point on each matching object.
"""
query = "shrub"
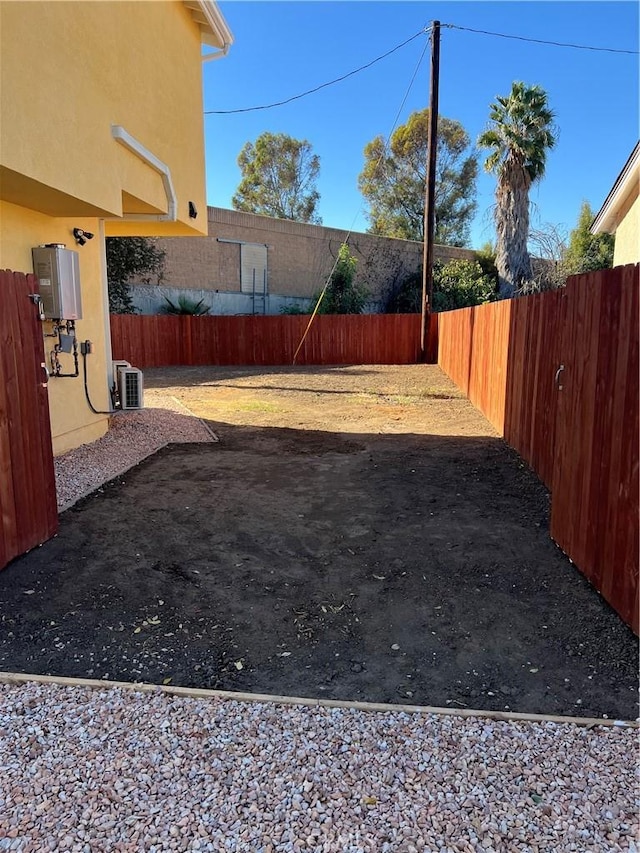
(343, 294)
(294, 309)
(185, 305)
(460, 284)
(456, 284)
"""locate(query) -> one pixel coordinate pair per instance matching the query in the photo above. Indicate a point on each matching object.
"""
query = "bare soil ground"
(357, 533)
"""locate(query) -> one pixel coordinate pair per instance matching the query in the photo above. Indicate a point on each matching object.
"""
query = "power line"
(375, 168)
(322, 85)
(542, 41)
(402, 44)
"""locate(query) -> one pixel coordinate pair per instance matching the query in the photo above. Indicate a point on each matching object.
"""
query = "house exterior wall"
(627, 245)
(299, 256)
(72, 422)
(70, 71)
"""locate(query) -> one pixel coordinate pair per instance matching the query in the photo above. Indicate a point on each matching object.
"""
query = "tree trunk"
(512, 229)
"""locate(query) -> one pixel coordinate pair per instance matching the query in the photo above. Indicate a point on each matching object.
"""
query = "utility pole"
(430, 192)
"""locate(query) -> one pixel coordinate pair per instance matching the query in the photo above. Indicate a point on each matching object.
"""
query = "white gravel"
(112, 770)
(131, 437)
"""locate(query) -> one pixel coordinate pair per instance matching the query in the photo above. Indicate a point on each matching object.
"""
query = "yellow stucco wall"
(627, 245)
(69, 72)
(72, 422)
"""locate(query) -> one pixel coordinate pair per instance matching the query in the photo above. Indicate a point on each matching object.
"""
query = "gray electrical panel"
(58, 273)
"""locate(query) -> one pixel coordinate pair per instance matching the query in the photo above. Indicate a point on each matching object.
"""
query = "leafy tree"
(128, 257)
(520, 133)
(343, 295)
(456, 284)
(393, 181)
(587, 251)
(279, 176)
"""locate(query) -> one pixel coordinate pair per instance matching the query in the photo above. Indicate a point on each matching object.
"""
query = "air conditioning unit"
(116, 367)
(130, 388)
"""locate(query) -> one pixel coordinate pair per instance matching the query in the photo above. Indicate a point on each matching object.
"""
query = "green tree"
(279, 176)
(456, 284)
(393, 181)
(343, 294)
(128, 257)
(587, 251)
(520, 134)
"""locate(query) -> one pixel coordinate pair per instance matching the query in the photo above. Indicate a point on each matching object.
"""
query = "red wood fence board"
(582, 441)
(28, 510)
(160, 341)
(595, 507)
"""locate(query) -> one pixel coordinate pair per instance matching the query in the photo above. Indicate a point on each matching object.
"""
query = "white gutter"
(218, 54)
(131, 144)
(219, 27)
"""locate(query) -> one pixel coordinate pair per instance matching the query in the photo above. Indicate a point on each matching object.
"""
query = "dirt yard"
(356, 533)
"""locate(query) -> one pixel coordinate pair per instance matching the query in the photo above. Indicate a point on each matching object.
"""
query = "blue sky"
(284, 48)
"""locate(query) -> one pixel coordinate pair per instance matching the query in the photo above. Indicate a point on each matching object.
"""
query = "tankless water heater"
(58, 273)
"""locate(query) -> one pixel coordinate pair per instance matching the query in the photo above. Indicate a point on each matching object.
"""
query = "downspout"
(131, 144)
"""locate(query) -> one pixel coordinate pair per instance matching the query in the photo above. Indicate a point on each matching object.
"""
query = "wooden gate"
(28, 508)
(594, 507)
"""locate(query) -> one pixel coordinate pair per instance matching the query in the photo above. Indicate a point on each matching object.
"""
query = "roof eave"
(214, 30)
(606, 220)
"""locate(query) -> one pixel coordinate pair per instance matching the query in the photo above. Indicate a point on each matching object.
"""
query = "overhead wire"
(428, 30)
(541, 41)
(423, 31)
(322, 85)
(407, 41)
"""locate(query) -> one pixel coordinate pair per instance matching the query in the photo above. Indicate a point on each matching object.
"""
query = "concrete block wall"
(299, 257)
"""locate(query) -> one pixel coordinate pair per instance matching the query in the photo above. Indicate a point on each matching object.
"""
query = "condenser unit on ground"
(116, 366)
(130, 388)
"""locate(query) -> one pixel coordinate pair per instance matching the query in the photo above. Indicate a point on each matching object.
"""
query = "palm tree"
(520, 134)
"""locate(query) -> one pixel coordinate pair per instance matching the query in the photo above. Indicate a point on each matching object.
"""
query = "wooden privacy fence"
(161, 341)
(28, 509)
(557, 375)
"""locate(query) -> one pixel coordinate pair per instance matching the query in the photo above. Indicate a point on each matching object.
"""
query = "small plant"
(294, 309)
(185, 305)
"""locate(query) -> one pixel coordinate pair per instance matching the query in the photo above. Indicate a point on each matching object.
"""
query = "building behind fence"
(253, 264)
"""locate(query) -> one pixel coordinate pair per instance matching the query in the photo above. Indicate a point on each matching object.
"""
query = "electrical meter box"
(58, 273)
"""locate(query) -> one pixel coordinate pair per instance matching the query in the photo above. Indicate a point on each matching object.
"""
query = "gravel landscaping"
(157, 571)
(113, 770)
(132, 436)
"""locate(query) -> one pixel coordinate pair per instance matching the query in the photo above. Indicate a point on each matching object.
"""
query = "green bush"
(460, 284)
(185, 305)
(343, 294)
(294, 309)
(456, 284)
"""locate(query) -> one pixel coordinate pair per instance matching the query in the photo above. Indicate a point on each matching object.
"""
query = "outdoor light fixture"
(193, 211)
(82, 236)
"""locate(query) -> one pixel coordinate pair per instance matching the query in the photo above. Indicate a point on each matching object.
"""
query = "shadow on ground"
(407, 568)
